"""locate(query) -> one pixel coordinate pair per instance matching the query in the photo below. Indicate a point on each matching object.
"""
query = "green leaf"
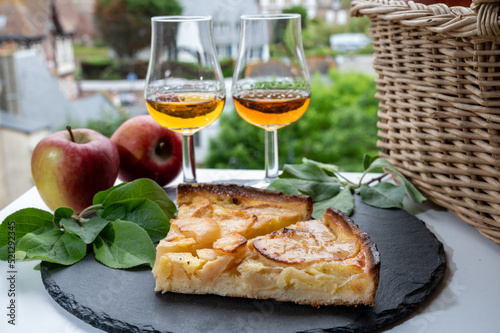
(383, 195)
(328, 167)
(22, 222)
(368, 160)
(20, 255)
(54, 246)
(283, 185)
(62, 213)
(123, 244)
(412, 192)
(88, 232)
(138, 189)
(310, 179)
(143, 212)
(101, 196)
(343, 201)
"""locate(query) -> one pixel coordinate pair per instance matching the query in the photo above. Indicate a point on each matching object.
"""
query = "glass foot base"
(257, 183)
(261, 183)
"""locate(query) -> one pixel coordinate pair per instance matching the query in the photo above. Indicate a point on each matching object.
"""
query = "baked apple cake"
(239, 241)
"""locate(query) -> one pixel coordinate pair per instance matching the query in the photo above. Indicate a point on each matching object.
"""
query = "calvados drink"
(185, 112)
(271, 109)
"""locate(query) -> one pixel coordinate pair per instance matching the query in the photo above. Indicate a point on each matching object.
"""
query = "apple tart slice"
(238, 241)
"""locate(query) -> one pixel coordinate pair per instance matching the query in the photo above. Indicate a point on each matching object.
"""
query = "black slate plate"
(413, 264)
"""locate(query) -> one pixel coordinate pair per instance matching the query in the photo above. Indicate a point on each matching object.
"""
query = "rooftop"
(32, 19)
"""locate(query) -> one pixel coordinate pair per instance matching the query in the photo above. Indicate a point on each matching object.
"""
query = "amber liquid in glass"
(271, 109)
(186, 112)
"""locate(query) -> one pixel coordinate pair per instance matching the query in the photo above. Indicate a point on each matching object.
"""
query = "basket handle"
(488, 17)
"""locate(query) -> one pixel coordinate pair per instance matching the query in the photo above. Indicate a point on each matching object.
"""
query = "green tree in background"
(298, 9)
(125, 25)
(338, 127)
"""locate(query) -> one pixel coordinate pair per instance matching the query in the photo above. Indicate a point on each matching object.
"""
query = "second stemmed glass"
(185, 89)
(271, 86)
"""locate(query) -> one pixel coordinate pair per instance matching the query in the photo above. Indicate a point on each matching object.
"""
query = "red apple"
(70, 167)
(148, 150)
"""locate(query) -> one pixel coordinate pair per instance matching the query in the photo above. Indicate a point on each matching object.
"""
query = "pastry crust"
(244, 196)
(239, 241)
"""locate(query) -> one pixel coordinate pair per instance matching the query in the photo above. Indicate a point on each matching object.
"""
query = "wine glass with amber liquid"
(185, 89)
(271, 86)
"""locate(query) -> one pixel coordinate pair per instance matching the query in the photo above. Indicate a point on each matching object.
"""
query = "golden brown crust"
(335, 215)
(239, 193)
(368, 247)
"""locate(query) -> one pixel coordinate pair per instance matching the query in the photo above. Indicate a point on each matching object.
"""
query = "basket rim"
(480, 20)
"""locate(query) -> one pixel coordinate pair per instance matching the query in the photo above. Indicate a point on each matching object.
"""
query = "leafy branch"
(329, 188)
(126, 221)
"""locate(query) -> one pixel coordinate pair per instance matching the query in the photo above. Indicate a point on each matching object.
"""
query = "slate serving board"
(413, 264)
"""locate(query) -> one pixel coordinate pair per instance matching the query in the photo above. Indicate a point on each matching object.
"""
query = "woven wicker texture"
(439, 88)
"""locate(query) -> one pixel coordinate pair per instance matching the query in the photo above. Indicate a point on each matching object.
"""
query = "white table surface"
(468, 300)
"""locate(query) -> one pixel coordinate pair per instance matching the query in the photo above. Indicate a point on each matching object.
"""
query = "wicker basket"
(439, 88)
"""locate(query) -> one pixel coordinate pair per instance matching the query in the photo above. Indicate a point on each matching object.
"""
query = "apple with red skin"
(148, 150)
(70, 167)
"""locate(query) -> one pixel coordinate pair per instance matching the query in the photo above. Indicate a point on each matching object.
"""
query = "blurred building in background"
(46, 26)
(328, 10)
(86, 30)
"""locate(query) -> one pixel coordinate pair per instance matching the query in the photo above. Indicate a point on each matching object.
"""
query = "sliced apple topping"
(200, 207)
(204, 230)
(241, 225)
(230, 243)
(272, 217)
(304, 242)
(214, 268)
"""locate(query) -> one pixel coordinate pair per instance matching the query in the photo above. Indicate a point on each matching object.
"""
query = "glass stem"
(272, 166)
(188, 160)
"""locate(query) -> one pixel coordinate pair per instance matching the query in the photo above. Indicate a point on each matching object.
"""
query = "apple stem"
(90, 210)
(80, 218)
(70, 133)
